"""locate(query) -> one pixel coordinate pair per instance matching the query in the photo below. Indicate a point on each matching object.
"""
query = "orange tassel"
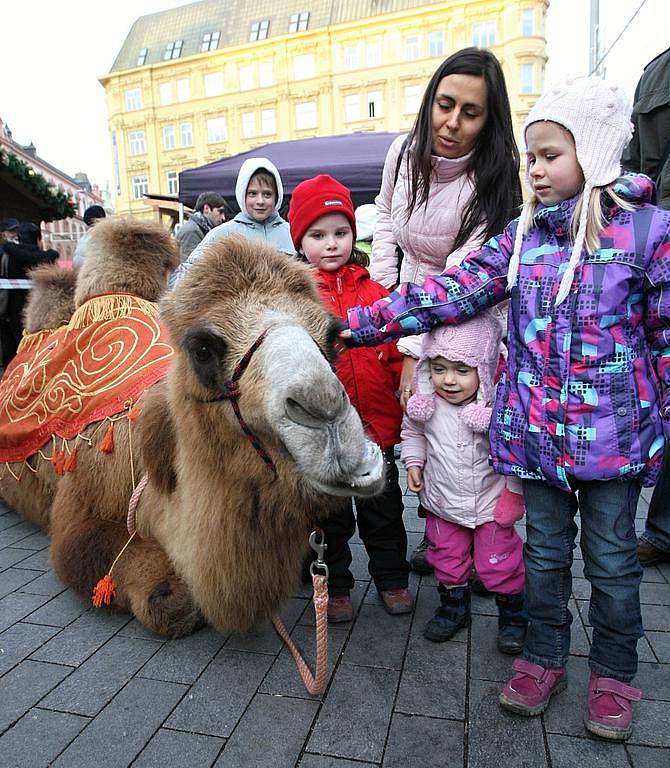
(71, 462)
(104, 591)
(107, 444)
(59, 462)
(135, 412)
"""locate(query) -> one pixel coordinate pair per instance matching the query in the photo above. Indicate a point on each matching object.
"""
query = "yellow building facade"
(191, 86)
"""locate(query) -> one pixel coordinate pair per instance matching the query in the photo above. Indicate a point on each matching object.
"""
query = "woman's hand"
(406, 387)
(415, 479)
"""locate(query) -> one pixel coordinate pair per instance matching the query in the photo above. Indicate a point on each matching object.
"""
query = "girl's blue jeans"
(609, 547)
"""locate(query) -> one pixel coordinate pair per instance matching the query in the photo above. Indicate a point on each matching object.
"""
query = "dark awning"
(356, 160)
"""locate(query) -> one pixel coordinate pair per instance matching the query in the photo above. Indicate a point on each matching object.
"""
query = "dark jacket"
(191, 233)
(368, 375)
(21, 259)
(649, 149)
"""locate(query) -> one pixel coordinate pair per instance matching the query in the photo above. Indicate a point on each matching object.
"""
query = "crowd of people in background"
(466, 318)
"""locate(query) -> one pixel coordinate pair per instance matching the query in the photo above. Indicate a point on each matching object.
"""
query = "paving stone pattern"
(82, 687)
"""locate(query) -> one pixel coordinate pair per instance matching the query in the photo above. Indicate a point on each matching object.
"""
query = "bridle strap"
(231, 391)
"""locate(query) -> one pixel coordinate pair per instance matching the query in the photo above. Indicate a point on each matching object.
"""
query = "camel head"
(239, 291)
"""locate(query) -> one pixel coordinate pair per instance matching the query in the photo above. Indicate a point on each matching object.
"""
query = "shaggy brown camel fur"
(220, 534)
(51, 299)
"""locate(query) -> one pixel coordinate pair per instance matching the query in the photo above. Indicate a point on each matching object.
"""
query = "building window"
(412, 99)
(183, 89)
(216, 130)
(298, 22)
(373, 54)
(527, 84)
(165, 93)
(265, 74)
(172, 183)
(527, 22)
(133, 99)
(484, 34)
(268, 124)
(136, 143)
(186, 134)
(259, 30)
(248, 125)
(173, 50)
(305, 115)
(140, 186)
(169, 141)
(352, 107)
(375, 101)
(210, 41)
(412, 51)
(142, 57)
(213, 83)
(247, 77)
(303, 66)
(350, 56)
(436, 43)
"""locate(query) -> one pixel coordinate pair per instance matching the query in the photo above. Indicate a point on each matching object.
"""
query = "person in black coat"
(22, 256)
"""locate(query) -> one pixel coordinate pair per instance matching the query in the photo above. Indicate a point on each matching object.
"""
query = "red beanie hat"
(314, 198)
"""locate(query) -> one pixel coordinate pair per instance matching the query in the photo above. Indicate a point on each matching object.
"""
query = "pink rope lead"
(316, 683)
(132, 505)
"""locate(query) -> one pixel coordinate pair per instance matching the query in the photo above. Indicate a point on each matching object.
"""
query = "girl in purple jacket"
(582, 406)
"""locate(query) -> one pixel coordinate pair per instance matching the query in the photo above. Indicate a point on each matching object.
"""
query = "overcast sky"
(53, 98)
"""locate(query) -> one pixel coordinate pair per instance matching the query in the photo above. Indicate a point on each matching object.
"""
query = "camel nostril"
(301, 413)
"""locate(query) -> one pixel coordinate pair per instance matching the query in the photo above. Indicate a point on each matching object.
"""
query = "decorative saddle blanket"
(97, 365)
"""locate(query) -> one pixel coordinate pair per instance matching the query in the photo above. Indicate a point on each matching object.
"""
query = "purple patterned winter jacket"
(585, 392)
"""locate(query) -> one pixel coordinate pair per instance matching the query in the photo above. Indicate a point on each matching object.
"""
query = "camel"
(223, 520)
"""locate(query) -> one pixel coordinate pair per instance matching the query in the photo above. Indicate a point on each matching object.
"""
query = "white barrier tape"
(6, 282)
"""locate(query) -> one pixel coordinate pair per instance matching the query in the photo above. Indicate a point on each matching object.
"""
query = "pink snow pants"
(498, 554)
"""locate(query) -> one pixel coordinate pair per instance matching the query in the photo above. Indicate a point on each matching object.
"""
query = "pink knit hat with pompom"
(476, 343)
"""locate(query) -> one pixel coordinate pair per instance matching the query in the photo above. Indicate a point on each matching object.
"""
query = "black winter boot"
(512, 623)
(452, 615)
(476, 585)
(418, 561)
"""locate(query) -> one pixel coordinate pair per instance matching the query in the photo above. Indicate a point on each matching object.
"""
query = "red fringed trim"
(70, 463)
(104, 591)
(107, 444)
(59, 462)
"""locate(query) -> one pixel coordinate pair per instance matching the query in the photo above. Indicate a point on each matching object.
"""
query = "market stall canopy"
(356, 160)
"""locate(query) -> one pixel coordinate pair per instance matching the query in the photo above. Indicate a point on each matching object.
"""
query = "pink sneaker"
(610, 708)
(529, 691)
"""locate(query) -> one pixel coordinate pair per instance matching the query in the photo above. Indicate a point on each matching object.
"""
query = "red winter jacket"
(370, 375)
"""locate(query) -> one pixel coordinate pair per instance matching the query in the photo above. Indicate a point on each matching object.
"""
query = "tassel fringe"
(112, 307)
(104, 591)
(107, 444)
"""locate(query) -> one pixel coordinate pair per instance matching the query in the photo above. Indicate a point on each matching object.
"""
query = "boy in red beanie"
(323, 229)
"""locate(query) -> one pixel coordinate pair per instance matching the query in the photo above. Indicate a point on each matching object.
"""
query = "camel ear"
(157, 439)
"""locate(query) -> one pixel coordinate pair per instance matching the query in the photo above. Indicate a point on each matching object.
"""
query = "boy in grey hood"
(259, 193)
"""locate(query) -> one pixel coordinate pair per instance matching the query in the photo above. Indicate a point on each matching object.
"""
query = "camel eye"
(203, 354)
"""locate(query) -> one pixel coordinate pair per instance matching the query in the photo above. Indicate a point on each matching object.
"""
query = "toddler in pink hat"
(470, 509)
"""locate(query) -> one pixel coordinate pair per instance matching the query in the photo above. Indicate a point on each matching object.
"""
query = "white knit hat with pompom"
(597, 114)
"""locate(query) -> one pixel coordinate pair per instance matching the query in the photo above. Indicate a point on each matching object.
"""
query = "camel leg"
(83, 548)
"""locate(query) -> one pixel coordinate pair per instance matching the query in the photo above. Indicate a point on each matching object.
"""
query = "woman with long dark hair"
(448, 186)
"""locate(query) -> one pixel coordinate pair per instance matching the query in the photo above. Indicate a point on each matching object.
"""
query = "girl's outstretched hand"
(345, 334)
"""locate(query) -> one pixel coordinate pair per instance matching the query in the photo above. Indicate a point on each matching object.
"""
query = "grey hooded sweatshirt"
(273, 230)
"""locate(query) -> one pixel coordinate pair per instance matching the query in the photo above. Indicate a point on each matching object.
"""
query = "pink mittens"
(509, 508)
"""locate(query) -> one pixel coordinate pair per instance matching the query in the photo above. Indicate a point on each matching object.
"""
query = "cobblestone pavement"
(82, 687)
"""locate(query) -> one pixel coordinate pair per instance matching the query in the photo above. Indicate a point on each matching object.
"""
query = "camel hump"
(157, 439)
(127, 256)
(51, 299)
